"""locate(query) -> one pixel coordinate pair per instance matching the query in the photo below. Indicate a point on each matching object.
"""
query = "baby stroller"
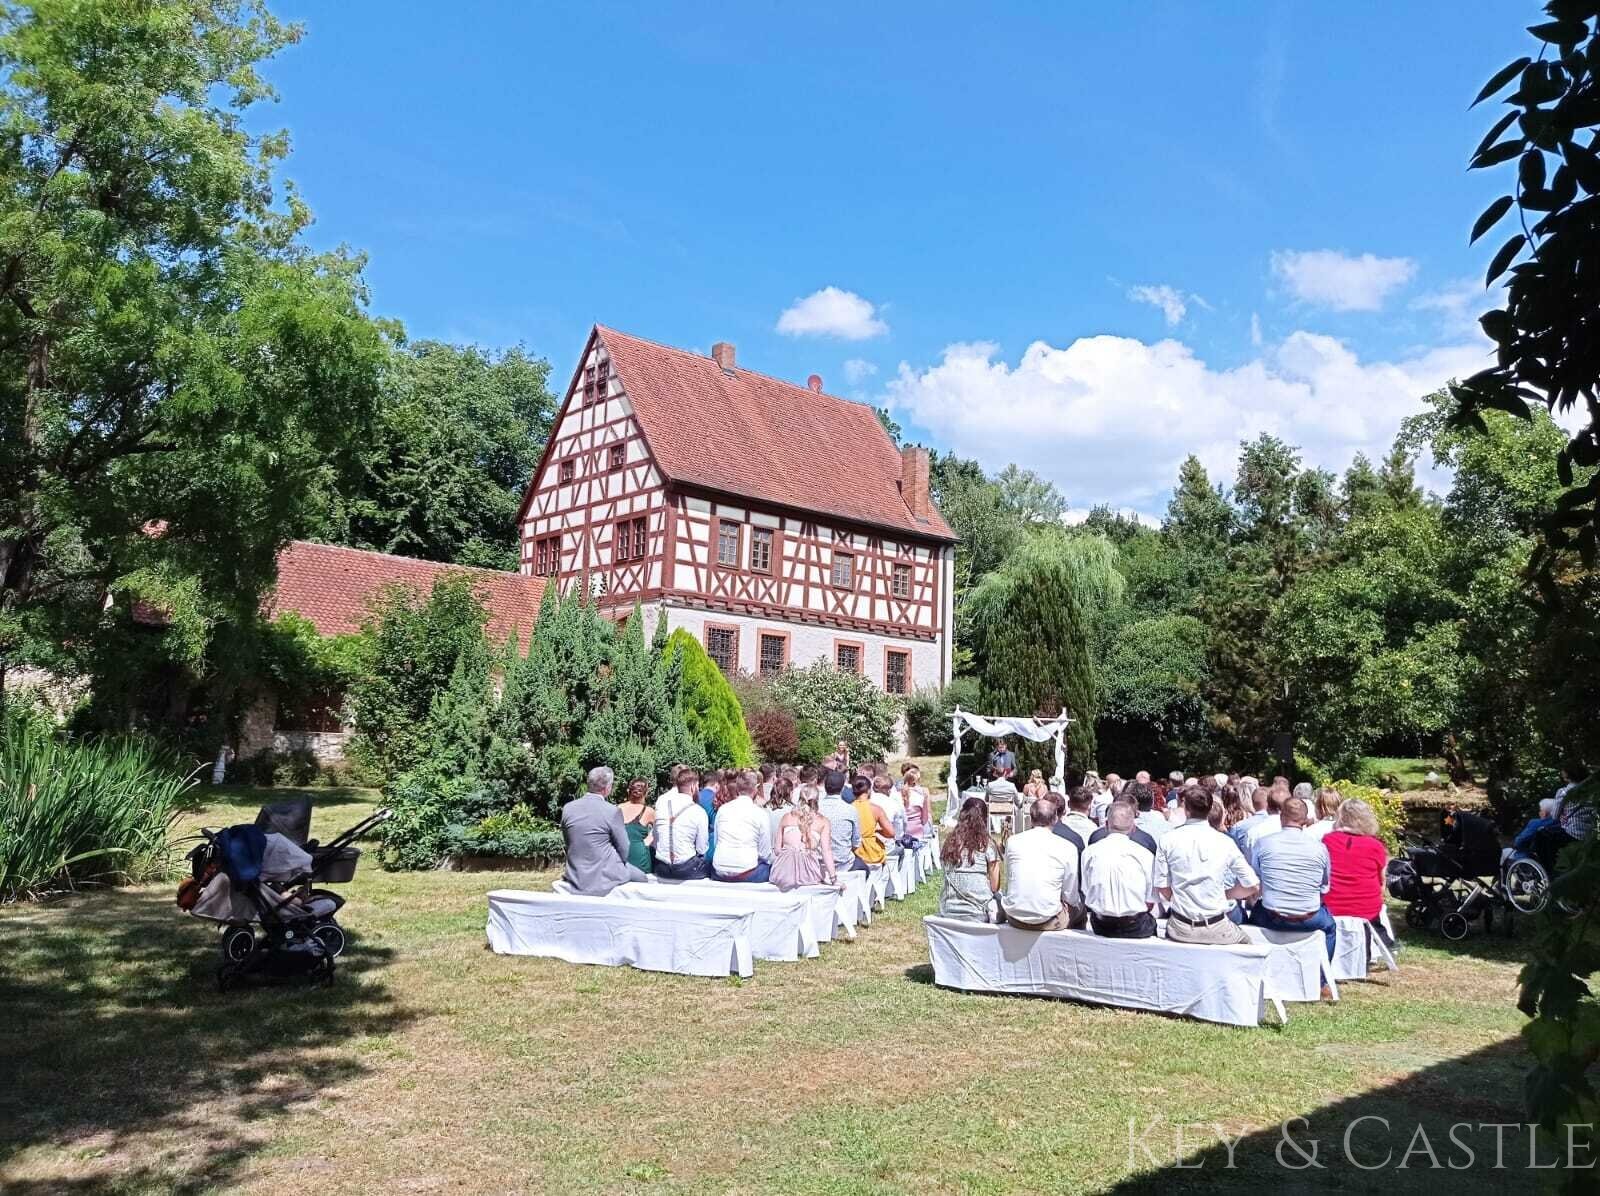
(1455, 881)
(257, 882)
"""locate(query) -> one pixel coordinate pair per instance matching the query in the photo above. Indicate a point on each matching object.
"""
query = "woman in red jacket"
(1359, 861)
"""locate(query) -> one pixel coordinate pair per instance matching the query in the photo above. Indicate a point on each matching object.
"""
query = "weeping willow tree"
(1034, 622)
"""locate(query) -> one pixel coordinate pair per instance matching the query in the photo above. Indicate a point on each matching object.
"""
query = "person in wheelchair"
(1574, 820)
(1522, 845)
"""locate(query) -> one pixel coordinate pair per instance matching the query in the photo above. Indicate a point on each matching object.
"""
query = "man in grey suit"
(597, 844)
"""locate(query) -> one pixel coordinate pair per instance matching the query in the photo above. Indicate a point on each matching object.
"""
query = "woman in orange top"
(876, 830)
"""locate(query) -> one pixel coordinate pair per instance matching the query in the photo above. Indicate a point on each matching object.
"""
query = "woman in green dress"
(639, 820)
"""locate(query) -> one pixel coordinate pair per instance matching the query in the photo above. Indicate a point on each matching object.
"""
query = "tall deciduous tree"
(458, 436)
(182, 383)
(1032, 631)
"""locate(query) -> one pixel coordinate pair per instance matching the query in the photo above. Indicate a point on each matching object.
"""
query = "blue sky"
(1085, 238)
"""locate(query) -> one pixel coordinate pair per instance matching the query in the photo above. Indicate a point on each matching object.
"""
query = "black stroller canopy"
(291, 819)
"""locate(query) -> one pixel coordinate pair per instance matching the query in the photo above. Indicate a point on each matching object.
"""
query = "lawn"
(433, 1065)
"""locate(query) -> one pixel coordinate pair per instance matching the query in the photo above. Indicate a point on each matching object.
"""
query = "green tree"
(639, 729)
(412, 648)
(459, 435)
(1032, 632)
(183, 385)
(1153, 709)
(710, 709)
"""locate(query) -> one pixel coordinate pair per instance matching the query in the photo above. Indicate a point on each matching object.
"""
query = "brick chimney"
(815, 383)
(914, 480)
(722, 354)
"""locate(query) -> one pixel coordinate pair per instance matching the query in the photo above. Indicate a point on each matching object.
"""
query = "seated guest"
(1175, 811)
(1148, 820)
(1003, 798)
(1199, 873)
(918, 802)
(639, 821)
(1060, 828)
(597, 842)
(887, 800)
(780, 803)
(1134, 833)
(1035, 787)
(1041, 889)
(1575, 820)
(844, 828)
(744, 835)
(1103, 797)
(1294, 873)
(1358, 864)
(682, 831)
(1267, 820)
(1327, 810)
(805, 852)
(876, 832)
(971, 866)
(1523, 843)
(763, 795)
(1117, 879)
(1076, 819)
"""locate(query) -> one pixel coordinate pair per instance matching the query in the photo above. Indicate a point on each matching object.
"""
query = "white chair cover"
(1357, 948)
(684, 939)
(1214, 984)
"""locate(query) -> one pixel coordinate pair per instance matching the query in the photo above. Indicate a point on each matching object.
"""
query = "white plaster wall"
(808, 643)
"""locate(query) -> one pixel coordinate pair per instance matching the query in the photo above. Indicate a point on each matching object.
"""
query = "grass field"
(432, 1065)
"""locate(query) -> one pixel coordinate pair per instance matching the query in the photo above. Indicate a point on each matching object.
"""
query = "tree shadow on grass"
(1358, 1144)
(114, 1036)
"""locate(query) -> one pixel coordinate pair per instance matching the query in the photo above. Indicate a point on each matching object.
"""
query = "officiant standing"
(1001, 761)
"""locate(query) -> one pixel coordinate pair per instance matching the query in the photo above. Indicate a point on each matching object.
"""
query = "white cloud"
(1255, 329)
(1328, 278)
(1109, 419)
(832, 312)
(856, 371)
(1458, 304)
(1172, 302)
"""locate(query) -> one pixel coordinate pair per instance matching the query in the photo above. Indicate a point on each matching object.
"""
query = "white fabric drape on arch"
(1032, 729)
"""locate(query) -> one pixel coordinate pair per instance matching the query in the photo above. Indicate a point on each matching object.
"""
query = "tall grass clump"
(76, 812)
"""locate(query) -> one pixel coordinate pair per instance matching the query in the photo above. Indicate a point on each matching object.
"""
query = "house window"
(897, 672)
(631, 539)
(569, 470)
(722, 645)
(900, 581)
(619, 456)
(844, 570)
(594, 382)
(319, 711)
(547, 557)
(847, 657)
(761, 550)
(727, 543)
(774, 655)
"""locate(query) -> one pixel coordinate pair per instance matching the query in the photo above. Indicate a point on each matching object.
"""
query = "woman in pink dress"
(918, 802)
(804, 854)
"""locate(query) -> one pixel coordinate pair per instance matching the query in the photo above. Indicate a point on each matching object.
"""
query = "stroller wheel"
(1416, 916)
(331, 936)
(1454, 927)
(238, 943)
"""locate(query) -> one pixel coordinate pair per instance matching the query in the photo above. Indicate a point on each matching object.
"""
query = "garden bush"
(517, 832)
(710, 708)
(928, 714)
(840, 705)
(776, 737)
(81, 811)
(1391, 811)
(430, 812)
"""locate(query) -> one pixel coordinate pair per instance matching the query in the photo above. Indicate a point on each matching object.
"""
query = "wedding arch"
(1032, 729)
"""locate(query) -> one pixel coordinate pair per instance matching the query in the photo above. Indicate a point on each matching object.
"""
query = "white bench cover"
(687, 940)
(781, 927)
(1298, 966)
(832, 912)
(1214, 984)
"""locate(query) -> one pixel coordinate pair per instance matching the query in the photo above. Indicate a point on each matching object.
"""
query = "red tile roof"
(762, 438)
(333, 587)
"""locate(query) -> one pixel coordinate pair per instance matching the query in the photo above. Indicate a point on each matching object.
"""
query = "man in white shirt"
(1199, 872)
(1116, 880)
(744, 836)
(890, 802)
(1041, 889)
(1151, 823)
(1076, 819)
(999, 793)
(1101, 801)
(682, 829)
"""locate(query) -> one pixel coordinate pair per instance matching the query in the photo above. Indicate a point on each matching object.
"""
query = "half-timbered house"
(777, 523)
